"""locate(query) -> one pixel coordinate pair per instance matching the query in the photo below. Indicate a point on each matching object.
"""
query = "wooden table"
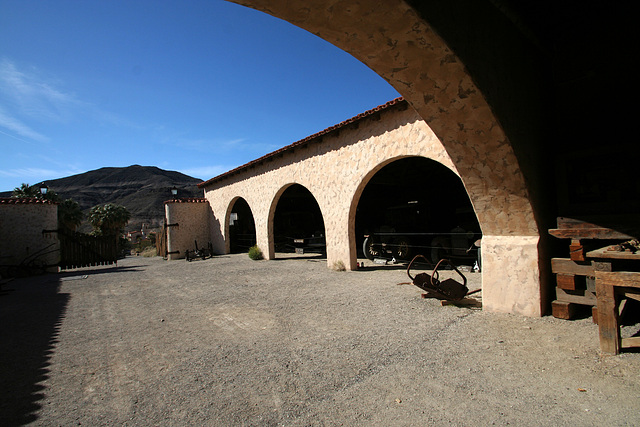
(614, 283)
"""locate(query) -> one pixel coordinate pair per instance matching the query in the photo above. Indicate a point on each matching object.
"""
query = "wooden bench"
(612, 287)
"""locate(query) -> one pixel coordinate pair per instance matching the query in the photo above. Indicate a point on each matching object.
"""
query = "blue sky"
(195, 86)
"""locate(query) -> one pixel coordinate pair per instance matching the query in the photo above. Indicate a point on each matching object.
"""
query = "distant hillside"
(141, 189)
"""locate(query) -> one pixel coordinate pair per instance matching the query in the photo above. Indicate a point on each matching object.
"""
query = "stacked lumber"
(575, 287)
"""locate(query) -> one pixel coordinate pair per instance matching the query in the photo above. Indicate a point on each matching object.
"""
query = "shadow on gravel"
(282, 256)
(383, 267)
(30, 318)
(94, 271)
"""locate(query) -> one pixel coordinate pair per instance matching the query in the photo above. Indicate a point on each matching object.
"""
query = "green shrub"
(339, 266)
(255, 253)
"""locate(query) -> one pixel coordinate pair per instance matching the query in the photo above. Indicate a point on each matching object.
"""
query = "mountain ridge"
(141, 189)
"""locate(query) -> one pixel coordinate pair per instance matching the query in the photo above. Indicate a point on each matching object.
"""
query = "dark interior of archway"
(421, 202)
(557, 88)
(298, 222)
(242, 228)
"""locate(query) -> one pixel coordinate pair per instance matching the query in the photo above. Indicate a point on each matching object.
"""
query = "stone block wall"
(22, 222)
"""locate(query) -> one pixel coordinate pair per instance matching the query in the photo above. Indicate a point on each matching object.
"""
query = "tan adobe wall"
(192, 217)
(337, 170)
(21, 224)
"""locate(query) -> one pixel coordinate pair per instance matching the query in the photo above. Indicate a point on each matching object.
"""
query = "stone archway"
(298, 219)
(420, 206)
(240, 227)
(394, 41)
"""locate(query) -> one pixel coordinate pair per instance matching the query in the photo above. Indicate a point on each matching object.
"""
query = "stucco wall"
(192, 217)
(21, 224)
(336, 171)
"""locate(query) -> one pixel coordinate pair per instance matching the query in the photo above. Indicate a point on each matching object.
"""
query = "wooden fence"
(82, 250)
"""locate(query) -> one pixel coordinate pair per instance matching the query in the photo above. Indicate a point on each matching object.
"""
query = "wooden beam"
(627, 279)
(576, 250)
(583, 297)
(588, 233)
(605, 253)
(568, 266)
(464, 302)
(630, 342)
(566, 281)
(563, 310)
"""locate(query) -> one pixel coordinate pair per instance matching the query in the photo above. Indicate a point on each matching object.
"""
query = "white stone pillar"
(511, 275)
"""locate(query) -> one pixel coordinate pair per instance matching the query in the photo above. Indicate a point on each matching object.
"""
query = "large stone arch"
(394, 41)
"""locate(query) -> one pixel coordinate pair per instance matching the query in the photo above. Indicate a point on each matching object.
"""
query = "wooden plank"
(605, 253)
(582, 296)
(626, 223)
(631, 294)
(566, 281)
(563, 310)
(630, 342)
(464, 302)
(608, 325)
(627, 279)
(588, 233)
(569, 266)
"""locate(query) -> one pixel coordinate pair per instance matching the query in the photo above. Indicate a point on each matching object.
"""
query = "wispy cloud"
(15, 126)
(33, 95)
(216, 145)
(205, 172)
(34, 175)
(29, 98)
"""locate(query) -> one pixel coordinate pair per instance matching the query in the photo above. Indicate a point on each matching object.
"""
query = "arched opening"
(298, 226)
(413, 206)
(242, 227)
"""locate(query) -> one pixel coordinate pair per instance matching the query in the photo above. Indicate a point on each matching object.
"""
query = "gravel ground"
(230, 341)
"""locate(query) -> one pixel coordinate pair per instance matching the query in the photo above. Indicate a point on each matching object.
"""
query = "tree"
(33, 192)
(69, 215)
(26, 191)
(109, 219)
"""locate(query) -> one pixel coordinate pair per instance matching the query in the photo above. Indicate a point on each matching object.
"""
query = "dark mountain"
(141, 189)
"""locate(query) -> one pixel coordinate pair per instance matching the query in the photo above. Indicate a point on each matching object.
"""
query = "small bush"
(339, 266)
(149, 252)
(255, 253)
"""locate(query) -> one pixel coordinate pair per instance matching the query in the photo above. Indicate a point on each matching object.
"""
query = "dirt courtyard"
(231, 341)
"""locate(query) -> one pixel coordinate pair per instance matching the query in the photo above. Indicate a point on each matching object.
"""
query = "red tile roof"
(187, 200)
(25, 201)
(316, 136)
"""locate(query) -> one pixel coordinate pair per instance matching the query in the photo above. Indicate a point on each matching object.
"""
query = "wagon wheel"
(402, 250)
(370, 248)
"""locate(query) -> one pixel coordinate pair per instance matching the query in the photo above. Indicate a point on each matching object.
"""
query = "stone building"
(524, 97)
(27, 231)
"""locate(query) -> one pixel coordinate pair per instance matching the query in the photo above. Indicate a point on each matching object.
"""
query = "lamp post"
(174, 192)
(43, 189)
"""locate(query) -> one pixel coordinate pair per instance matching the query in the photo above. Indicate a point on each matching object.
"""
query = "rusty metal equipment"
(448, 289)
(199, 253)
